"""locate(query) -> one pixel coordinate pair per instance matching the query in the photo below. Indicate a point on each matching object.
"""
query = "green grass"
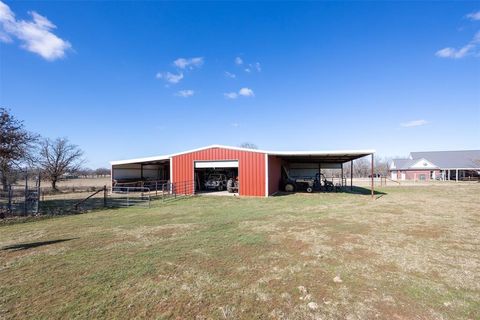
(413, 253)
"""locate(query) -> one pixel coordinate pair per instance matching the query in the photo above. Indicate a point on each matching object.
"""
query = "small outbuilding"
(257, 172)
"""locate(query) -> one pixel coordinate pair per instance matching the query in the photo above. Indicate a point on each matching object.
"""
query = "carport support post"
(351, 175)
(371, 188)
(342, 175)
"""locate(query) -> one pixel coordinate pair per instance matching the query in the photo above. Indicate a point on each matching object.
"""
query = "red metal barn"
(250, 164)
(259, 172)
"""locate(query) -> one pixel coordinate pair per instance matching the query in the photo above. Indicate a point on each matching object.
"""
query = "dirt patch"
(162, 231)
(426, 232)
(339, 239)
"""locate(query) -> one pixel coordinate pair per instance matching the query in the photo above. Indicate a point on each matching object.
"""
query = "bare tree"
(361, 167)
(248, 145)
(84, 172)
(17, 145)
(102, 172)
(381, 166)
(58, 157)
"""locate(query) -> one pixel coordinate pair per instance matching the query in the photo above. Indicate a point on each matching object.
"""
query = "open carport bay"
(312, 171)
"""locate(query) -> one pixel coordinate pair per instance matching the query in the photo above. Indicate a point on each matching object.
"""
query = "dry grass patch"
(412, 254)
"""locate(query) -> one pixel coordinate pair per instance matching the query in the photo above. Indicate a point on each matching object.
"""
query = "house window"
(421, 177)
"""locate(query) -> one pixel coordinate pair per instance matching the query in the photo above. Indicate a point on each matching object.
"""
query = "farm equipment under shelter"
(317, 183)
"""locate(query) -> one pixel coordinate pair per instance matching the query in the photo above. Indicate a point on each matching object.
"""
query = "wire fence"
(22, 201)
(19, 201)
(159, 189)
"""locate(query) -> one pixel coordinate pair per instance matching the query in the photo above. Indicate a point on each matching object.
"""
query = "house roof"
(403, 164)
(461, 159)
(334, 155)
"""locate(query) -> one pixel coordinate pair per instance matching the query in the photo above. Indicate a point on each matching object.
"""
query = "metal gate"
(19, 200)
(129, 196)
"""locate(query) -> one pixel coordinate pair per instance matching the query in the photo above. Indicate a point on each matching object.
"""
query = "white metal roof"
(274, 153)
(321, 153)
(139, 160)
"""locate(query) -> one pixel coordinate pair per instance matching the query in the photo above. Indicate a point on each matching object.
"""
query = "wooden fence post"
(25, 198)
(105, 196)
(10, 199)
(38, 194)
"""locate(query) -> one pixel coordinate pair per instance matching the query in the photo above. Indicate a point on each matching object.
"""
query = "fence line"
(92, 195)
(129, 196)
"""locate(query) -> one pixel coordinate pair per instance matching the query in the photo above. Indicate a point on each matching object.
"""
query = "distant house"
(437, 165)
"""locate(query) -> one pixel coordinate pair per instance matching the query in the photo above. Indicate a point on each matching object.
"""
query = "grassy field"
(414, 253)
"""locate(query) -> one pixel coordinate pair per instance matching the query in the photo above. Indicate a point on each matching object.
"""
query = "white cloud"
(185, 93)
(36, 36)
(475, 16)
(414, 123)
(4, 37)
(190, 63)
(230, 95)
(170, 77)
(180, 63)
(230, 75)
(471, 48)
(253, 67)
(455, 53)
(235, 125)
(248, 67)
(246, 92)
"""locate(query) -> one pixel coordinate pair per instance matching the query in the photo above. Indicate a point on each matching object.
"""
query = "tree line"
(21, 149)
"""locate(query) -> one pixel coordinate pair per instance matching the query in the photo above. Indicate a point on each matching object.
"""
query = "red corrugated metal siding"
(251, 168)
(274, 174)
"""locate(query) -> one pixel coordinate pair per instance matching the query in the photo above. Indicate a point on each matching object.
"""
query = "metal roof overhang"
(323, 157)
(147, 160)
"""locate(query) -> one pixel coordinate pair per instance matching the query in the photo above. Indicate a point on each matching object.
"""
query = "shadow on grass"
(354, 190)
(25, 246)
(361, 190)
(67, 206)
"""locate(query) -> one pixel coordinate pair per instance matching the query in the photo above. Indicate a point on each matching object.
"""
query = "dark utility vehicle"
(216, 181)
(309, 184)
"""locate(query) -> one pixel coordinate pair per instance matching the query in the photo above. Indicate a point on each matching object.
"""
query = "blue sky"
(130, 79)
